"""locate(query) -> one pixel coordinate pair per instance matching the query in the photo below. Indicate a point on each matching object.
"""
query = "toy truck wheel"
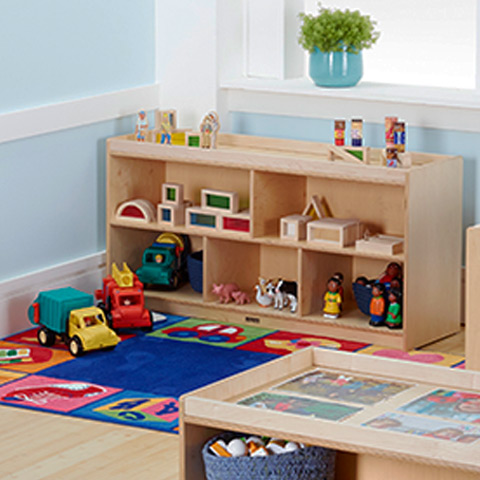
(75, 347)
(150, 327)
(175, 280)
(45, 337)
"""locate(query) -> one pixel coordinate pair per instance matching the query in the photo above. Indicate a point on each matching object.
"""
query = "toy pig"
(240, 297)
(224, 291)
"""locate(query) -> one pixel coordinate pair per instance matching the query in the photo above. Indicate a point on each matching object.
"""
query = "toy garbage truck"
(165, 262)
(122, 300)
(71, 314)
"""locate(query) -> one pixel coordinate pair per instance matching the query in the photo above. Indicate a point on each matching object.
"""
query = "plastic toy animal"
(261, 296)
(224, 291)
(241, 298)
(283, 294)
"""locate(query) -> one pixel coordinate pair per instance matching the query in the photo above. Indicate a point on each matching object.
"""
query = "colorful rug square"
(167, 367)
(282, 343)
(29, 359)
(6, 376)
(432, 358)
(135, 409)
(208, 332)
(48, 393)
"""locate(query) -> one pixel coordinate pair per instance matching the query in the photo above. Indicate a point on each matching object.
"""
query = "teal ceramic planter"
(335, 69)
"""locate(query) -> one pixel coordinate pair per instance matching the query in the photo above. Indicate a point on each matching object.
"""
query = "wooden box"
(381, 244)
(294, 227)
(363, 430)
(197, 217)
(334, 231)
(236, 222)
(172, 194)
(225, 202)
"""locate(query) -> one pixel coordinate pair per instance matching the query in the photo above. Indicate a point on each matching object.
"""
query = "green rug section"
(209, 332)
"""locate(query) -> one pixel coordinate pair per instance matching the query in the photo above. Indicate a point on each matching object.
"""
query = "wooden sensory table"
(364, 452)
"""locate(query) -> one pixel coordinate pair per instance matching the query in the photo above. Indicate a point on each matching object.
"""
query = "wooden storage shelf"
(275, 178)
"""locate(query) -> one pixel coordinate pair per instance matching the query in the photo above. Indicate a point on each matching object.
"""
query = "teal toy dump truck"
(165, 262)
(71, 314)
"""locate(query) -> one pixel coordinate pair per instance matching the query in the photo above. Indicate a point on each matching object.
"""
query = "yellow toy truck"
(71, 314)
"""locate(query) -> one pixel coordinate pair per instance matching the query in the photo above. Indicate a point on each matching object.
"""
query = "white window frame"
(429, 107)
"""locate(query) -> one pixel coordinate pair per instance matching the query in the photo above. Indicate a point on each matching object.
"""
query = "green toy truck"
(70, 314)
(165, 262)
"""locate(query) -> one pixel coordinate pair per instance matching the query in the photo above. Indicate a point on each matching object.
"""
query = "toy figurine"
(332, 299)
(209, 128)
(141, 126)
(283, 293)
(339, 277)
(241, 298)
(261, 295)
(394, 313)
(377, 305)
(166, 129)
(394, 270)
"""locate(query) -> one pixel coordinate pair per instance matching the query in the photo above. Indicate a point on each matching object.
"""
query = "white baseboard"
(17, 294)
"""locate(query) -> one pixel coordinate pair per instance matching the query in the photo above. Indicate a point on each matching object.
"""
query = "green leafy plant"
(334, 30)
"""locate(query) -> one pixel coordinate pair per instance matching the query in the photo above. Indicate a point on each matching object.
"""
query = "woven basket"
(310, 463)
(195, 270)
(363, 297)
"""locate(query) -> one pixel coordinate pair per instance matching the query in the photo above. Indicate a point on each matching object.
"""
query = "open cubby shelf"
(275, 178)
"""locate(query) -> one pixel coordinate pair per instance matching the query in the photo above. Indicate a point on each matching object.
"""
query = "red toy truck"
(122, 300)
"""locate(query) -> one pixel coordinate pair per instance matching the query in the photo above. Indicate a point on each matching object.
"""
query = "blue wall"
(418, 139)
(57, 50)
(52, 187)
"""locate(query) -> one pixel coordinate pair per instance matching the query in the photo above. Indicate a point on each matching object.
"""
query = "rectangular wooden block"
(172, 194)
(334, 231)
(193, 139)
(294, 227)
(174, 215)
(220, 201)
(236, 222)
(383, 244)
(197, 217)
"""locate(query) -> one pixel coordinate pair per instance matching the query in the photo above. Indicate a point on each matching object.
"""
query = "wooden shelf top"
(265, 240)
(259, 154)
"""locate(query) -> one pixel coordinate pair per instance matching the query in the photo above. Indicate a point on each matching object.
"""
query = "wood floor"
(38, 446)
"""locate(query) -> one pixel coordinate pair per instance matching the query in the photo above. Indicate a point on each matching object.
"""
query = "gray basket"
(310, 463)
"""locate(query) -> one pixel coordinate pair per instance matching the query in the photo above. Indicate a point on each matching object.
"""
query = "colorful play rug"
(140, 381)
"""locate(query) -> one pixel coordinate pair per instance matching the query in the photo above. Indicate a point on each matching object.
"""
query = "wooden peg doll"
(377, 305)
(332, 299)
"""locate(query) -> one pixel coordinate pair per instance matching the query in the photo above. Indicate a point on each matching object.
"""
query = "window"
(422, 42)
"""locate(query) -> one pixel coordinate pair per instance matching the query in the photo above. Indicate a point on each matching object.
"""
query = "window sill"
(443, 108)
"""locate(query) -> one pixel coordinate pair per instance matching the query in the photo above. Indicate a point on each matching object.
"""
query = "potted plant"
(335, 40)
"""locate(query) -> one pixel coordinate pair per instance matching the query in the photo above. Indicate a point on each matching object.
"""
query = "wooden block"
(236, 222)
(179, 136)
(334, 231)
(220, 201)
(382, 244)
(294, 227)
(172, 194)
(173, 215)
(193, 139)
(139, 210)
(166, 115)
(197, 217)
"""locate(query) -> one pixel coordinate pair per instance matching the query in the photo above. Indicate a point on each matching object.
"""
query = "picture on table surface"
(300, 406)
(426, 427)
(450, 404)
(343, 387)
